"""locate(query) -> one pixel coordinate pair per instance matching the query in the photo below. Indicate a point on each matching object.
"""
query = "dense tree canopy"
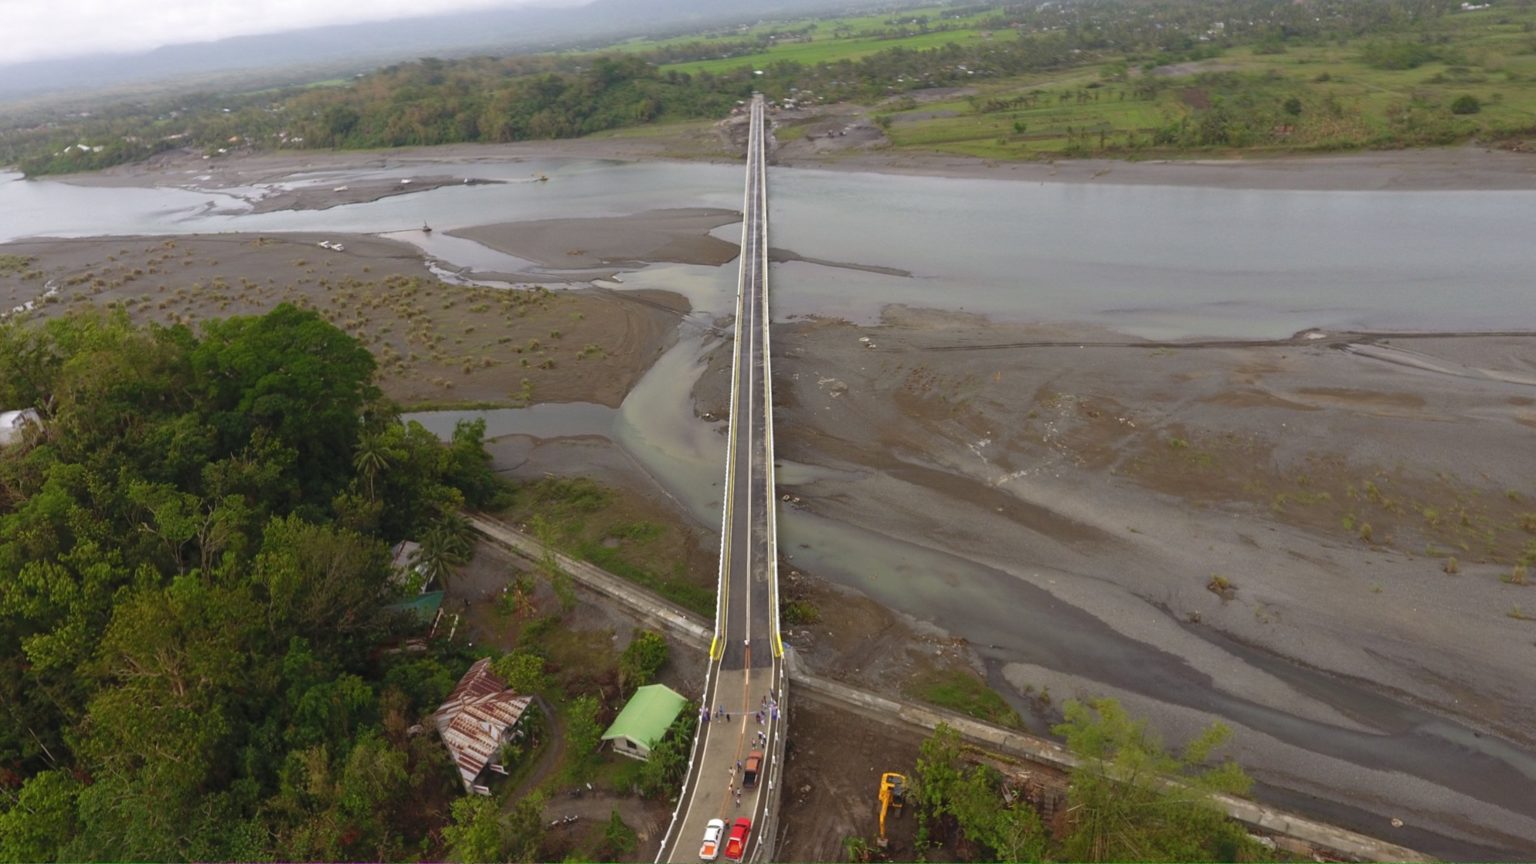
(194, 577)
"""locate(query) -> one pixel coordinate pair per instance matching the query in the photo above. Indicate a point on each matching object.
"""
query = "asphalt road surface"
(745, 669)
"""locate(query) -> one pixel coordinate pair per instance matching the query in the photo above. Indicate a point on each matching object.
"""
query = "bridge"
(746, 670)
(746, 654)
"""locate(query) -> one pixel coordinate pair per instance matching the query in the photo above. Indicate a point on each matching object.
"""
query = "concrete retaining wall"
(656, 611)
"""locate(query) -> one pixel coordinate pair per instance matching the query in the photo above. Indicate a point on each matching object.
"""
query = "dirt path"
(549, 759)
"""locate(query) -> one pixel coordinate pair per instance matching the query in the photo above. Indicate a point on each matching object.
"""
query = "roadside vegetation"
(964, 691)
(1108, 78)
(611, 529)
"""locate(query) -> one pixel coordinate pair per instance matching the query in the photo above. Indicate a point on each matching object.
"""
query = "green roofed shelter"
(645, 720)
(424, 606)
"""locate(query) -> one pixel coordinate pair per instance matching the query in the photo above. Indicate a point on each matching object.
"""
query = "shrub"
(801, 612)
(644, 657)
(1466, 104)
(1397, 55)
(1222, 587)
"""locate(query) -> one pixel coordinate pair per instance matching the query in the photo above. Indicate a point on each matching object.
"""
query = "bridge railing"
(722, 583)
(767, 326)
(767, 830)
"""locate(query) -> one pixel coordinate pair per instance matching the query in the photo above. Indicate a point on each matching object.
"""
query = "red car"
(736, 845)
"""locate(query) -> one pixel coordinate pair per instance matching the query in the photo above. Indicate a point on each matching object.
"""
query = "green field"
(829, 51)
(1039, 82)
(1311, 96)
(819, 40)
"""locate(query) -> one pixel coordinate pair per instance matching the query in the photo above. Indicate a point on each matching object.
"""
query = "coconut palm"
(445, 546)
(372, 457)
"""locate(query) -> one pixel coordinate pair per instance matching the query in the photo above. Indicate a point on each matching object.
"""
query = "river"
(1161, 262)
(1158, 262)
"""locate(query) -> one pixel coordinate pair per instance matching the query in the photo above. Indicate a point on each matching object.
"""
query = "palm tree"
(372, 457)
(446, 545)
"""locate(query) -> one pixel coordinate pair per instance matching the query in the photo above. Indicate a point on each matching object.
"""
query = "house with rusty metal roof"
(479, 716)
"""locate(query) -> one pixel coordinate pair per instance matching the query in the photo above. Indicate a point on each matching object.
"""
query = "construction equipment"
(893, 796)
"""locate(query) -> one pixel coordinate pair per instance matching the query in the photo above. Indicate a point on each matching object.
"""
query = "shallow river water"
(1163, 262)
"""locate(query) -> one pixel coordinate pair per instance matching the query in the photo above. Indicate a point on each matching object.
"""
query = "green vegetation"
(662, 773)
(583, 735)
(1342, 82)
(619, 840)
(14, 264)
(963, 802)
(481, 834)
(640, 662)
(1110, 77)
(963, 691)
(1119, 805)
(1122, 808)
(592, 522)
(198, 572)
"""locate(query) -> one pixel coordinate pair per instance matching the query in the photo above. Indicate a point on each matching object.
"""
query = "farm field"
(1316, 96)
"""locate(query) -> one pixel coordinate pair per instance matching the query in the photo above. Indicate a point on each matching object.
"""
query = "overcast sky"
(42, 29)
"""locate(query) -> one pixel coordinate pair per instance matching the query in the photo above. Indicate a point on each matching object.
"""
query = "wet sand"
(679, 235)
(325, 196)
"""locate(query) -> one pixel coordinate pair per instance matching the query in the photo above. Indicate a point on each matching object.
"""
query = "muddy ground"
(435, 343)
(1317, 541)
(833, 764)
(680, 236)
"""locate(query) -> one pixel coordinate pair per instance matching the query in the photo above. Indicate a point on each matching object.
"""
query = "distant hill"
(348, 48)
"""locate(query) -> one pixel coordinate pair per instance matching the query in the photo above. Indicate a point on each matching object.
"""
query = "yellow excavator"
(893, 796)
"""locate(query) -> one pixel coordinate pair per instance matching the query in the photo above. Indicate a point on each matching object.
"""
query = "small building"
(405, 570)
(479, 716)
(645, 720)
(13, 425)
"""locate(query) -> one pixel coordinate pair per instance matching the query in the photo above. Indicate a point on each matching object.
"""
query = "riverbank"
(1456, 168)
(436, 343)
(1466, 167)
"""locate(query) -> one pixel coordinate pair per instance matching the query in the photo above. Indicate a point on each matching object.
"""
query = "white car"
(711, 848)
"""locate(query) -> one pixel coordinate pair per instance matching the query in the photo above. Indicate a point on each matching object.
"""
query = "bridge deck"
(745, 670)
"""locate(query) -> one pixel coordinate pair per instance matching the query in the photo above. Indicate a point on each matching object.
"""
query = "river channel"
(1156, 262)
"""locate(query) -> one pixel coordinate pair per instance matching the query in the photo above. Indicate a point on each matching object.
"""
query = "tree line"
(195, 578)
(550, 96)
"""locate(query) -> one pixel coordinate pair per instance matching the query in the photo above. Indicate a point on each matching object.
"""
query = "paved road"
(745, 671)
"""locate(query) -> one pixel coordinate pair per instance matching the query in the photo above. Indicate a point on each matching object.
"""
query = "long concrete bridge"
(744, 693)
